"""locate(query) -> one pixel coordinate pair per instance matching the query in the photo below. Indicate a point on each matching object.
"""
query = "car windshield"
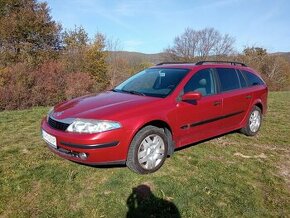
(155, 82)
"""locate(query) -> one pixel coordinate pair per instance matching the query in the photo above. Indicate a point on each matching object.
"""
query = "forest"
(41, 63)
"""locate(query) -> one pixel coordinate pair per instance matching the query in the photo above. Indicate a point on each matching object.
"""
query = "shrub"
(49, 83)
(78, 84)
(22, 87)
(15, 85)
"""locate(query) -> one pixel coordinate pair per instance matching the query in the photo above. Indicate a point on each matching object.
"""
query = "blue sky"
(149, 26)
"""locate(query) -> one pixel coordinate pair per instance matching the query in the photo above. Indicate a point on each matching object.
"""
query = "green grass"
(230, 176)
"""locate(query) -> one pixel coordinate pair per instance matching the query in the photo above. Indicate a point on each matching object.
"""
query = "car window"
(155, 82)
(242, 80)
(203, 82)
(228, 78)
(252, 79)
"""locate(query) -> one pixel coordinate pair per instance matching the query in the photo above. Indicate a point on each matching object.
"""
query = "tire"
(254, 122)
(148, 150)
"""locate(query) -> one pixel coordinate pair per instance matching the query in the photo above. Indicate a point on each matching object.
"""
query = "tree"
(203, 43)
(274, 69)
(95, 61)
(27, 32)
(255, 51)
(117, 64)
(75, 38)
(75, 44)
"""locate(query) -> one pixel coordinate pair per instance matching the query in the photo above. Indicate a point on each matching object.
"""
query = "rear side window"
(242, 80)
(228, 78)
(252, 79)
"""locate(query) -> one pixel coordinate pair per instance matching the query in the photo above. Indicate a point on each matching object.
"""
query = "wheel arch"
(260, 105)
(167, 130)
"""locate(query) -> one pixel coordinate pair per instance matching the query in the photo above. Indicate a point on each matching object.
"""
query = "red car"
(145, 118)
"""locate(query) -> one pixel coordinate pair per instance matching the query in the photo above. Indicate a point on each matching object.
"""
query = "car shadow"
(103, 166)
(143, 203)
(206, 140)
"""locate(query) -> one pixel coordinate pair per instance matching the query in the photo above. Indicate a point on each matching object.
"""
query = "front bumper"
(99, 148)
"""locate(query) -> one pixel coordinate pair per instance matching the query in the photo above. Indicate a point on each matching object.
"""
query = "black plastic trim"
(235, 63)
(210, 120)
(181, 62)
(56, 124)
(222, 62)
(105, 145)
(109, 163)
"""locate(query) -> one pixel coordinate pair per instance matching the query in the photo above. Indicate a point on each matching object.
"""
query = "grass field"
(230, 176)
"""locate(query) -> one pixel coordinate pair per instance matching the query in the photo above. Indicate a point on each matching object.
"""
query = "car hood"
(105, 105)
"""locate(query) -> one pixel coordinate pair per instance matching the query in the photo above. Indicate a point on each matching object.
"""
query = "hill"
(285, 55)
(160, 57)
(152, 58)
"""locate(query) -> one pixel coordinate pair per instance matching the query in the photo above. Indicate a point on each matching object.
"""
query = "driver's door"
(200, 119)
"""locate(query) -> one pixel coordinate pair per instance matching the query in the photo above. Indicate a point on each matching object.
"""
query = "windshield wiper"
(133, 92)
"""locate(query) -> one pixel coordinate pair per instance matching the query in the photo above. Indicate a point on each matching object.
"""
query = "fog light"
(83, 156)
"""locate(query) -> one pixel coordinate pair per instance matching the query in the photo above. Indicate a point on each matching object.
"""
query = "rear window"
(252, 79)
(228, 78)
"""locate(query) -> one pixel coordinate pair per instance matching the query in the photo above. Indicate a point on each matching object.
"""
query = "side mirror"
(191, 96)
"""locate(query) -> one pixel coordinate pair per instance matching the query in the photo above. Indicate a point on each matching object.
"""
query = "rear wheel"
(148, 150)
(254, 122)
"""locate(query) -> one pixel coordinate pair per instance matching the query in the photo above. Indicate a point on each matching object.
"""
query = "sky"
(150, 26)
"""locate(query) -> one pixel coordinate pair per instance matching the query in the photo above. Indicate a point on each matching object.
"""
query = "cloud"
(133, 8)
(132, 45)
(102, 9)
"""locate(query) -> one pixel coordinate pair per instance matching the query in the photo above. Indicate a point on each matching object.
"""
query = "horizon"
(143, 26)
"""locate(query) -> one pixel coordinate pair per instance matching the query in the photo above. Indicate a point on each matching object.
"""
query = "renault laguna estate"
(144, 119)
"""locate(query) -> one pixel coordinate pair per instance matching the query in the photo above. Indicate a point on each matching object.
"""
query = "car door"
(236, 97)
(198, 119)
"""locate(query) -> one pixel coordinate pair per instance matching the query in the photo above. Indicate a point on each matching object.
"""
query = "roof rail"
(228, 62)
(162, 63)
(203, 62)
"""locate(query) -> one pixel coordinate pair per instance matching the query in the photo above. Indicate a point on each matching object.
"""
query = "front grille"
(57, 124)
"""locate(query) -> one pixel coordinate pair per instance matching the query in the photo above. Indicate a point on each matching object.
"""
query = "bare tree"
(122, 64)
(203, 43)
(117, 63)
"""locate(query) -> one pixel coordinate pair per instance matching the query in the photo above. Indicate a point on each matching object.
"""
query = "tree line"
(209, 44)
(42, 64)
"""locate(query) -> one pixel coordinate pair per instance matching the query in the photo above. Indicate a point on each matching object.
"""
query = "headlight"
(92, 126)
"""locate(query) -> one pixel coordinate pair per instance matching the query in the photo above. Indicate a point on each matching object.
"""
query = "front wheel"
(254, 122)
(148, 150)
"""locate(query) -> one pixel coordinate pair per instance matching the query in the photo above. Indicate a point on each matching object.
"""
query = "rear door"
(257, 87)
(198, 120)
(236, 97)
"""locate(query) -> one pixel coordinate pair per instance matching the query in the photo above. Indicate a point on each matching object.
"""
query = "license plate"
(51, 140)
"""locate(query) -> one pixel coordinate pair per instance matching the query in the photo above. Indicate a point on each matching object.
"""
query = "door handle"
(216, 103)
(248, 96)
